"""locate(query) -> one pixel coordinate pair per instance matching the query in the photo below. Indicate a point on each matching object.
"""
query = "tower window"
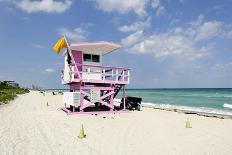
(91, 58)
(95, 58)
(87, 57)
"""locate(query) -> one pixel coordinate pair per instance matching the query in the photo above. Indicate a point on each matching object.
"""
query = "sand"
(29, 126)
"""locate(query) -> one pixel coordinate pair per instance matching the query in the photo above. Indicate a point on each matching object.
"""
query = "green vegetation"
(8, 93)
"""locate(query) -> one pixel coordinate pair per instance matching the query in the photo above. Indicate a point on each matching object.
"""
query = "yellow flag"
(60, 44)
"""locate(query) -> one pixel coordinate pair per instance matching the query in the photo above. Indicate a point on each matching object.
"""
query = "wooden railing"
(100, 74)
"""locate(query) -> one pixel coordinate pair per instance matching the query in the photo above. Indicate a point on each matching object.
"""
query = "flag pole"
(70, 53)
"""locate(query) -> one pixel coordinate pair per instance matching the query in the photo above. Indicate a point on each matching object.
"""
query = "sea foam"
(191, 109)
(226, 105)
(187, 108)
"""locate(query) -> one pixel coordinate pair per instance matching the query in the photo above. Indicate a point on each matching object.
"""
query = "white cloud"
(78, 34)
(157, 5)
(223, 66)
(132, 39)
(208, 30)
(201, 30)
(179, 42)
(162, 45)
(137, 26)
(48, 70)
(49, 6)
(189, 42)
(198, 21)
(126, 6)
(122, 6)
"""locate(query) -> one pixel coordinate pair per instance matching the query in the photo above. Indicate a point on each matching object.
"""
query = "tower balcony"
(96, 74)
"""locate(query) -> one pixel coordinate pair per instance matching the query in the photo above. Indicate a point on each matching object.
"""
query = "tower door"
(77, 55)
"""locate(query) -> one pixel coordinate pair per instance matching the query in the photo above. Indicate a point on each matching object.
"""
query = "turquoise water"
(215, 100)
(203, 98)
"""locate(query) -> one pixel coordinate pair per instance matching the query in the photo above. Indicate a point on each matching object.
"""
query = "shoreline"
(185, 111)
(165, 107)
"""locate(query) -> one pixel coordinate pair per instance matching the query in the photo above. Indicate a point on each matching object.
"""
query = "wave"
(226, 105)
(190, 109)
(228, 96)
(187, 108)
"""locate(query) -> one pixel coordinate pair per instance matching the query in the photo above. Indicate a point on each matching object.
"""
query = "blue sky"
(168, 44)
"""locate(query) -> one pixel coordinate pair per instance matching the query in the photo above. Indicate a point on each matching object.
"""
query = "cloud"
(159, 8)
(162, 45)
(137, 26)
(49, 6)
(208, 30)
(179, 42)
(132, 39)
(78, 34)
(201, 30)
(136, 6)
(223, 66)
(48, 70)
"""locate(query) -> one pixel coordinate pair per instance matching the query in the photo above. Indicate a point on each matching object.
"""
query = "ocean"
(211, 100)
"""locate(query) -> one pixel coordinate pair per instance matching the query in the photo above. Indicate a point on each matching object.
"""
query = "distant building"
(12, 83)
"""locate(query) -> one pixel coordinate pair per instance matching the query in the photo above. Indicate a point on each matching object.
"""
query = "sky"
(166, 43)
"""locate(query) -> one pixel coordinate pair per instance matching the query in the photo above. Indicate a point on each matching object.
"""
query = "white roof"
(100, 48)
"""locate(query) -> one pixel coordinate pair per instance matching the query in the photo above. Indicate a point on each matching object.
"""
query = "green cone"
(82, 133)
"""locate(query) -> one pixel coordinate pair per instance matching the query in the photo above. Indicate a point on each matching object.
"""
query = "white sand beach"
(29, 126)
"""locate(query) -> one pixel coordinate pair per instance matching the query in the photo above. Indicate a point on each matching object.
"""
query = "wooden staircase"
(117, 88)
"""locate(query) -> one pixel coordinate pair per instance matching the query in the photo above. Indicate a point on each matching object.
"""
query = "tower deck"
(98, 74)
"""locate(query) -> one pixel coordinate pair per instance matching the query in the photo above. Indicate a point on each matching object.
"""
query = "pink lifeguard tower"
(93, 87)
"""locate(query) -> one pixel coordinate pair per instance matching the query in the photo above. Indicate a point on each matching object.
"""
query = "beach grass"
(8, 93)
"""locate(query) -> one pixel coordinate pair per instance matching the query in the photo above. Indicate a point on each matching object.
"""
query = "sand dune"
(29, 126)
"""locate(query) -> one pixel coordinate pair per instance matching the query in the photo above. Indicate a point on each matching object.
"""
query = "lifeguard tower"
(93, 87)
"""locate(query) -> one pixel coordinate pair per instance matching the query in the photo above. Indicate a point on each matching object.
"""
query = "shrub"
(8, 93)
